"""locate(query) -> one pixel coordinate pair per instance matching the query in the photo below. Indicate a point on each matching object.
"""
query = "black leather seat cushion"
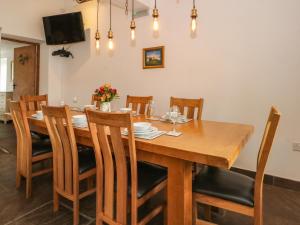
(149, 176)
(86, 159)
(40, 147)
(226, 185)
(39, 136)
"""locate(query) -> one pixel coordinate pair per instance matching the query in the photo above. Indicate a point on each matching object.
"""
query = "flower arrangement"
(106, 93)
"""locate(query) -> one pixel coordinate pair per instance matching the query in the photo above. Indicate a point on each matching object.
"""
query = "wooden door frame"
(37, 74)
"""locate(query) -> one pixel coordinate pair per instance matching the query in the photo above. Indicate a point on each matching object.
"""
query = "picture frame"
(154, 57)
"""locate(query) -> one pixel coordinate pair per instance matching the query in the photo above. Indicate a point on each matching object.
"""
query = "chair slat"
(67, 154)
(109, 172)
(121, 173)
(190, 112)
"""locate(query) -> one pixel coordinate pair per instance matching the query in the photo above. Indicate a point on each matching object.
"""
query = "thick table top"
(206, 142)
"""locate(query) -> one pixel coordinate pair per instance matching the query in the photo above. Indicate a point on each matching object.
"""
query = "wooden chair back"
(65, 154)
(96, 100)
(139, 104)
(194, 106)
(24, 141)
(265, 147)
(34, 103)
(110, 158)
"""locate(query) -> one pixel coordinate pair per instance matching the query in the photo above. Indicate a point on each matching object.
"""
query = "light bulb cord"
(155, 4)
(132, 9)
(110, 14)
(98, 6)
(194, 4)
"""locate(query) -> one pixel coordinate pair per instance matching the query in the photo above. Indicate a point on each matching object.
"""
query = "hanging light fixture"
(110, 33)
(194, 16)
(155, 16)
(97, 35)
(132, 23)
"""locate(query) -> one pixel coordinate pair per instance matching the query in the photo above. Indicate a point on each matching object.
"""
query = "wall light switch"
(296, 146)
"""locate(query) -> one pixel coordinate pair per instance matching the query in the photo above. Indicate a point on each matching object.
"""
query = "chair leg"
(18, 179)
(258, 213)
(76, 212)
(55, 201)
(28, 187)
(98, 219)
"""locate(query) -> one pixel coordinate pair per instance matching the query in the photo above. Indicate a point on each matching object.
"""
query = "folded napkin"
(147, 136)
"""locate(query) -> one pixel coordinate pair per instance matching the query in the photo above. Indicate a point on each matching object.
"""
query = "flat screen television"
(64, 28)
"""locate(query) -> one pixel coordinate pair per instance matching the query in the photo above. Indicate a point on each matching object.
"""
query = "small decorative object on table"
(107, 94)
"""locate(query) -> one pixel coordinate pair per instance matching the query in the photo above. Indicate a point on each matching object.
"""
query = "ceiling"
(140, 6)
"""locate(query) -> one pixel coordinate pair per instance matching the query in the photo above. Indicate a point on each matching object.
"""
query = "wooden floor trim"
(272, 180)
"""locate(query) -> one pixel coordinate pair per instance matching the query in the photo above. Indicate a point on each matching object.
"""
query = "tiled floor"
(281, 206)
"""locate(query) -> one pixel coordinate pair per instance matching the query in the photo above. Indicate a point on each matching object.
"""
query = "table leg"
(179, 200)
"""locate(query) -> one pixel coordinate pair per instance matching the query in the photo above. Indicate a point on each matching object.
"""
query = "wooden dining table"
(210, 143)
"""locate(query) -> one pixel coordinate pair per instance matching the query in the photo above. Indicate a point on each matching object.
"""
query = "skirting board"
(272, 180)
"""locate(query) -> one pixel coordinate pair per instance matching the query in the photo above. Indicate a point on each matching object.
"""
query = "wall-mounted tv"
(64, 28)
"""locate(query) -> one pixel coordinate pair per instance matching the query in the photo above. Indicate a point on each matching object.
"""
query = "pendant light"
(194, 16)
(132, 23)
(110, 33)
(97, 35)
(155, 16)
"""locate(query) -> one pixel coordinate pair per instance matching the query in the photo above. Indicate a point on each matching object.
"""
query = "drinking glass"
(174, 113)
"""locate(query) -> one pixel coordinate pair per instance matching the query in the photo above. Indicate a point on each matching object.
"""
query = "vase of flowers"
(106, 94)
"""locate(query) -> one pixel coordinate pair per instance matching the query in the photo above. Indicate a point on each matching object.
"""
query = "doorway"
(19, 71)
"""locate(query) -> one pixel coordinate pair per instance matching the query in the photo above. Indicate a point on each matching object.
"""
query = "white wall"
(24, 18)
(244, 59)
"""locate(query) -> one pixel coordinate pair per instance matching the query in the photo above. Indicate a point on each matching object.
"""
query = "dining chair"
(71, 164)
(28, 152)
(140, 104)
(194, 106)
(194, 110)
(96, 100)
(122, 182)
(34, 103)
(233, 191)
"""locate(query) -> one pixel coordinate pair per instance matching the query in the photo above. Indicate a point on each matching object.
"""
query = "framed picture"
(154, 57)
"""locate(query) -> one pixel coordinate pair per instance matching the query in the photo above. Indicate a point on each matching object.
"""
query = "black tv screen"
(64, 29)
